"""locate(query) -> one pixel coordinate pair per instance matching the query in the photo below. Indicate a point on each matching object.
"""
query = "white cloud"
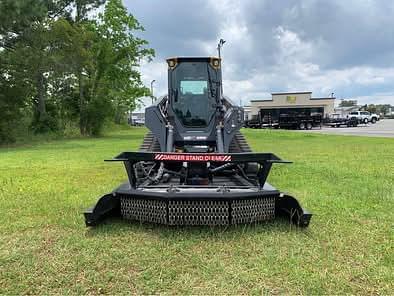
(319, 46)
(294, 72)
(378, 98)
(291, 47)
(156, 70)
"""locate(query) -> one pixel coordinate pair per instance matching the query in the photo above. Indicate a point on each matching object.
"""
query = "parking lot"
(383, 128)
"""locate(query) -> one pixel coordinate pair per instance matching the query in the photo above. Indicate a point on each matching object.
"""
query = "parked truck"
(364, 116)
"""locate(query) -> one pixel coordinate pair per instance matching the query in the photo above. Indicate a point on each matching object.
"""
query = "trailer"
(335, 120)
(299, 121)
(285, 119)
(254, 122)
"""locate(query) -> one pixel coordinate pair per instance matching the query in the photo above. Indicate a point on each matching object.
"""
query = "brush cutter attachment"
(160, 193)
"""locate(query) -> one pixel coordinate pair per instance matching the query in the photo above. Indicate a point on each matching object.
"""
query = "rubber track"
(150, 144)
(239, 144)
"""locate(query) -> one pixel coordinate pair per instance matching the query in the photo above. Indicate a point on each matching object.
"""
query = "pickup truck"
(363, 116)
(375, 117)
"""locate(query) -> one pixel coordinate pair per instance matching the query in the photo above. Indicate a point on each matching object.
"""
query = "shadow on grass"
(116, 227)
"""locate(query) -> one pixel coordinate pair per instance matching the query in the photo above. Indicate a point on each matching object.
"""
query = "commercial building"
(292, 102)
(247, 113)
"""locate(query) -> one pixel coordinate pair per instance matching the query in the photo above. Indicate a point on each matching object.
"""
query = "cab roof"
(192, 59)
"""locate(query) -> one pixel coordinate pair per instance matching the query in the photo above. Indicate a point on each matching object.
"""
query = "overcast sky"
(344, 47)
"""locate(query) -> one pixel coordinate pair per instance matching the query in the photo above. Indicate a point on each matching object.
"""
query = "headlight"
(172, 63)
(215, 63)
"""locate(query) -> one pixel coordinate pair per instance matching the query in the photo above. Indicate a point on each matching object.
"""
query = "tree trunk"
(82, 115)
(41, 96)
(78, 16)
(118, 115)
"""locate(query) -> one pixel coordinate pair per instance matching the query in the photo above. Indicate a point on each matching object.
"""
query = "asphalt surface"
(383, 128)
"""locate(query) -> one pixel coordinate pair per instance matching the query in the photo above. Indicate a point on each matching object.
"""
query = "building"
(247, 114)
(293, 102)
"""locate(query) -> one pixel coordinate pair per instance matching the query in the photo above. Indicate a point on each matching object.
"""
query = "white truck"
(363, 116)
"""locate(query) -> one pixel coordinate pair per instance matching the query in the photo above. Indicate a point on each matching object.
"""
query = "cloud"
(377, 98)
(155, 71)
(336, 46)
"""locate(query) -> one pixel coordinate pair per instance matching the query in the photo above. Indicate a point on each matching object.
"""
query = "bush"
(11, 117)
(44, 125)
(6, 134)
(98, 111)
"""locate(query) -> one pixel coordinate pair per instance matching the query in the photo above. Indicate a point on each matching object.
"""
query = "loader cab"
(194, 116)
(194, 88)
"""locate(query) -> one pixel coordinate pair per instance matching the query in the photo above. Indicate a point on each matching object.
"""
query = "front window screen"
(194, 87)
(194, 96)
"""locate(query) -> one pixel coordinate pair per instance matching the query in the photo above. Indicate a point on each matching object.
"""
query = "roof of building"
(270, 100)
(262, 100)
(292, 93)
(328, 98)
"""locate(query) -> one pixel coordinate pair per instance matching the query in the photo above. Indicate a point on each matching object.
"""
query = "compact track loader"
(194, 167)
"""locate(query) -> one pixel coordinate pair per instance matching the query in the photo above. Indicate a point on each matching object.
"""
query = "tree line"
(381, 109)
(68, 64)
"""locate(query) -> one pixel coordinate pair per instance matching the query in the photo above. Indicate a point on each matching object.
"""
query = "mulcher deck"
(202, 206)
(227, 200)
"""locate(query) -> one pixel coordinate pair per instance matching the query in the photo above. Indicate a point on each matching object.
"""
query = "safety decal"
(192, 157)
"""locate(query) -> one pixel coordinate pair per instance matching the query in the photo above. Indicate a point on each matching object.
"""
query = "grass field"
(347, 182)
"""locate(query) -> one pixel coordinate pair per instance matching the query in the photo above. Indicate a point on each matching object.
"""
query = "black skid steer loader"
(194, 167)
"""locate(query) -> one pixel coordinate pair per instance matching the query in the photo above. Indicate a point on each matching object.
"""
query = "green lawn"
(347, 182)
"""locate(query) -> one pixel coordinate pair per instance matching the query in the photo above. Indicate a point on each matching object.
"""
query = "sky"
(336, 46)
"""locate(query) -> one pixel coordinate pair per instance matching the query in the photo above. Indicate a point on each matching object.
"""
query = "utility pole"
(220, 45)
(151, 89)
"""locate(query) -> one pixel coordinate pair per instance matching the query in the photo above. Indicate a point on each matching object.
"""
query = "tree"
(59, 64)
(35, 54)
(120, 54)
(378, 109)
(348, 103)
(16, 17)
(102, 58)
(13, 91)
(371, 108)
(26, 40)
(384, 109)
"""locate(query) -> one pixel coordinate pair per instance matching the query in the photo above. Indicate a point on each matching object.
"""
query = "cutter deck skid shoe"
(194, 167)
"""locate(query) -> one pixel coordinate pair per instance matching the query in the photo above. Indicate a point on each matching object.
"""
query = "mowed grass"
(347, 182)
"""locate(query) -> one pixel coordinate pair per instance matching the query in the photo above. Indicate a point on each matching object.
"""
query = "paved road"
(383, 128)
